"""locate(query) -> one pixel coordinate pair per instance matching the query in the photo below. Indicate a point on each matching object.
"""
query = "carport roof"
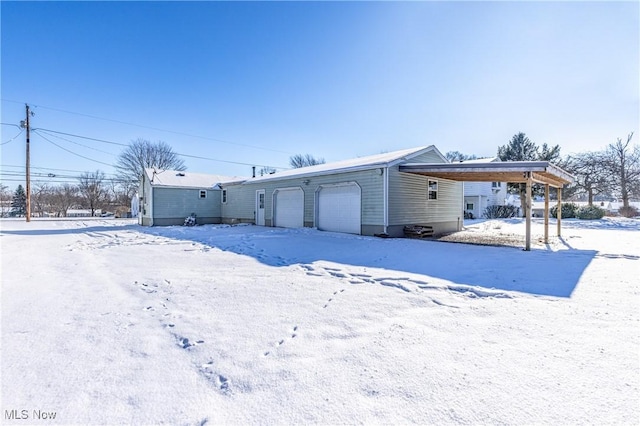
(506, 171)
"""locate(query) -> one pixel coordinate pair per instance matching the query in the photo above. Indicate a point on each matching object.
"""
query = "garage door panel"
(289, 208)
(339, 209)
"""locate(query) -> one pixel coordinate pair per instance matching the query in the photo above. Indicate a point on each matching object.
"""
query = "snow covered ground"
(106, 322)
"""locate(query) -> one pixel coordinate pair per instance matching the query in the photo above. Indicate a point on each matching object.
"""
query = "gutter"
(386, 199)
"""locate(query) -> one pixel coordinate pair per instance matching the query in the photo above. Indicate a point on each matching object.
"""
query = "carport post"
(546, 214)
(527, 246)
(559, 213)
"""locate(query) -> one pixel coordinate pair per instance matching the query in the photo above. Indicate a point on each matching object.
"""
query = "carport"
(527, 172)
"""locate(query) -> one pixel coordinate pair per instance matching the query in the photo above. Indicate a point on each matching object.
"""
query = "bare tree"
(457, 156)
(63, 198)
(5, 200)
(141, 154)
(591, 176)
(300, 160)
(266, 170)
(622, 163)
(41, 199)
(92, 189)
(118, 197)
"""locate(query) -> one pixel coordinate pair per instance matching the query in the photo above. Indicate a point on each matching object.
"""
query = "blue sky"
(256, 82)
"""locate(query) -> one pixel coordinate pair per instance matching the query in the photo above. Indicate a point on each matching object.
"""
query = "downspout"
(150, 204)
(385, 171)
(464, 209)
(141, 209)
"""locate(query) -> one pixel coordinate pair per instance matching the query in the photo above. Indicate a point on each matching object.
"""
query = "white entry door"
(339, 208)
(260, 207)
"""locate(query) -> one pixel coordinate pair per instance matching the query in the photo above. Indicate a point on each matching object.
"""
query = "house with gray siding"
(367, 196)
(167, 197)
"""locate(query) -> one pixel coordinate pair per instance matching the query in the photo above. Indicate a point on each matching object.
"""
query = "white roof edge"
(343, 167)
(201, 181)
(481, 160)
(415, 154)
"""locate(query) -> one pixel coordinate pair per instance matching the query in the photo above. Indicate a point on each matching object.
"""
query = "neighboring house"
(83, 212)
(135, 205)
(367, 196)
(167, 197)
(5, 208)
(480, 195)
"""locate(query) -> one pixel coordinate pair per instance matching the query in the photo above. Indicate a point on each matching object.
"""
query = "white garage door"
(289, 208)
(339, 208)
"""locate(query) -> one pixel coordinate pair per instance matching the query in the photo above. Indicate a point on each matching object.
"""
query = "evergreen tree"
(521, 148)
(19, 202)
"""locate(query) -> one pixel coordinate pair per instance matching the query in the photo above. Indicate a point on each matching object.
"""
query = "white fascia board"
(315, 174)
(408, 157)
(185, 187)
(346, 169)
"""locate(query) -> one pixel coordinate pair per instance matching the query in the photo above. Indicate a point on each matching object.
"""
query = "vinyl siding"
(145, 191)
(170, 203)
(408, 202)
(427, 157)
(240, 205)
(371, 183)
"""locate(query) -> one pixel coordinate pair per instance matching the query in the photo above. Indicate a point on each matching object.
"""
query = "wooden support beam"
(559, 214)
(527, 245)
(546, 214)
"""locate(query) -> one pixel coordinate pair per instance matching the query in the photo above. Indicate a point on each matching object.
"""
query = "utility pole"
(28, 171)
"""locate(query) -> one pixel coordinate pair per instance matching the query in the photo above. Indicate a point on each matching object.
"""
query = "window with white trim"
(469, 206)
(224, 196)
(496, 184)
(432, 193)
(203, 193)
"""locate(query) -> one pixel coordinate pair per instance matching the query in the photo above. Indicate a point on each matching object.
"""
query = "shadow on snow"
(537, 272)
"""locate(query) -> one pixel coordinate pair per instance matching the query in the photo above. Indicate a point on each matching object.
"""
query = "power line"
(49, 131)
(155, 128)
(13, 138)
(81, 137)
(71, 152)
(79, 144)
(49, 168)
(53, 175)
(177, 153)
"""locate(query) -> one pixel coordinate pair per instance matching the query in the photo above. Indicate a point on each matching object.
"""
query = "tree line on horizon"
(612, 173)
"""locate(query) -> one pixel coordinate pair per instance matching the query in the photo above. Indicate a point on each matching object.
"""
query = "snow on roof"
(482, 160)
(370, 161)
(186, 179)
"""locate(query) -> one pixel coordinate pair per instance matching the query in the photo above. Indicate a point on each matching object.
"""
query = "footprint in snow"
(281, 341)
(223, 382)
(185, 343)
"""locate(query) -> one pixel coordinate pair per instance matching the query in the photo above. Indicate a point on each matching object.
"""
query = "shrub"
(500, 212)
(590, 212)
(568, 210)
(628, 211)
